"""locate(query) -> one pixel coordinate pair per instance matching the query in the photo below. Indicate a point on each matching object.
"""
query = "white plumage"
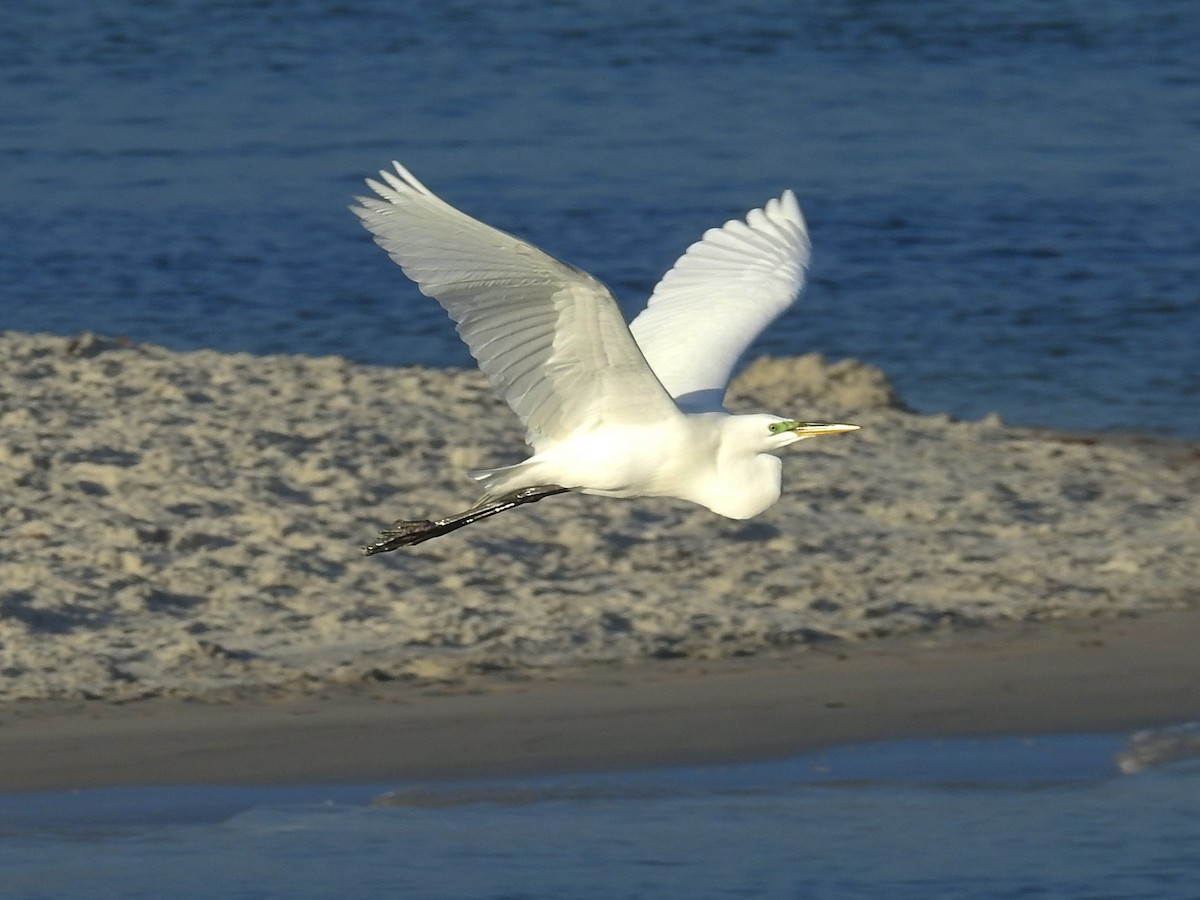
(610, 409)
(720, 295)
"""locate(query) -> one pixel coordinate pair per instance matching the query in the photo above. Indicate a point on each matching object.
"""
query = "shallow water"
(1003, 197)
(1046, 816)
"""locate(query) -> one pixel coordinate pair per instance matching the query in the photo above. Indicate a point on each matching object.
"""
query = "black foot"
(407, 533)
(404, 533)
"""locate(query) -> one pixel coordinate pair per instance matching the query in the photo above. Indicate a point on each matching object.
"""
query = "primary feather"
(549, 337)
(718, 298)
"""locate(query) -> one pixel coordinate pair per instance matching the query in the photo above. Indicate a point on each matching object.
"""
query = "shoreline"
(183, 597)
(1079, 675)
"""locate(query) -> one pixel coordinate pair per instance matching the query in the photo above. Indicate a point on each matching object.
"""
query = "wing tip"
(405, 178)
(392, 185)
(787, 207)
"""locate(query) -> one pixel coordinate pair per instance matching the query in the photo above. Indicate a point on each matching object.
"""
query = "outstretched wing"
(719, 296)
(549, 337)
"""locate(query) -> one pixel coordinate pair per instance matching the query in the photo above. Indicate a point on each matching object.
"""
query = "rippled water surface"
(959, 819)
(1003, 197)
(1005, 208)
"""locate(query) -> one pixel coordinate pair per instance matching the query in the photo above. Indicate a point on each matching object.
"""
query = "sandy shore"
(189, 524)
(186, 527)
(1079, 675)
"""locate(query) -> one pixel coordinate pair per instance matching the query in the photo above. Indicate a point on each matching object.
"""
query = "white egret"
(610, 409)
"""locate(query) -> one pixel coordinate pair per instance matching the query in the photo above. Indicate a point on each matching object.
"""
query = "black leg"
(406, 533)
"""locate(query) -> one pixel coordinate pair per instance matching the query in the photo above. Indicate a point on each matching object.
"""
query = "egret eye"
(781, 427)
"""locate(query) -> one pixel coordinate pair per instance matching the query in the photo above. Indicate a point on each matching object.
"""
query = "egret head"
(787, 431)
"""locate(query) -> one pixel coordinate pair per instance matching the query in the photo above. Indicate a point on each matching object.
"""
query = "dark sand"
(1101, 674)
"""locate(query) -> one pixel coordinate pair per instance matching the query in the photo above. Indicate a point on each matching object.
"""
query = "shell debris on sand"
(189, 524)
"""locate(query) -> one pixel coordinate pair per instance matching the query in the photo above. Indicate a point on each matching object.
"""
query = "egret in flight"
(609, 409)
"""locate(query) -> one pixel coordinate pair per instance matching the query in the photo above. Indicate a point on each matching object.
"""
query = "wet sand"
(1081, 675)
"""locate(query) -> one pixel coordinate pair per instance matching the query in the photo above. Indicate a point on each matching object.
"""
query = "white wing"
(719, 296)
(549, 337)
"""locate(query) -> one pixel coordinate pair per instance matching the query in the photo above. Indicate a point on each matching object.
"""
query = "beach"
(1093, 675)
(183, 596)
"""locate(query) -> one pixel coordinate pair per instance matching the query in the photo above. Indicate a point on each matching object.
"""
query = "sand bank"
(187, 525)
(1104, 674)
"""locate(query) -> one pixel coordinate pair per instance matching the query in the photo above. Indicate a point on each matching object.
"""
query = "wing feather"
(719, 296)
(549, 337)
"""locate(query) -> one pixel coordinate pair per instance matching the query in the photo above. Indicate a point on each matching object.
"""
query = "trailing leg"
(407, 533)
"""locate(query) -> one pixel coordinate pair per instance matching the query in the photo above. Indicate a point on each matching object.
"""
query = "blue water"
(1005, 204)
(953, 819)
(1003, 197)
